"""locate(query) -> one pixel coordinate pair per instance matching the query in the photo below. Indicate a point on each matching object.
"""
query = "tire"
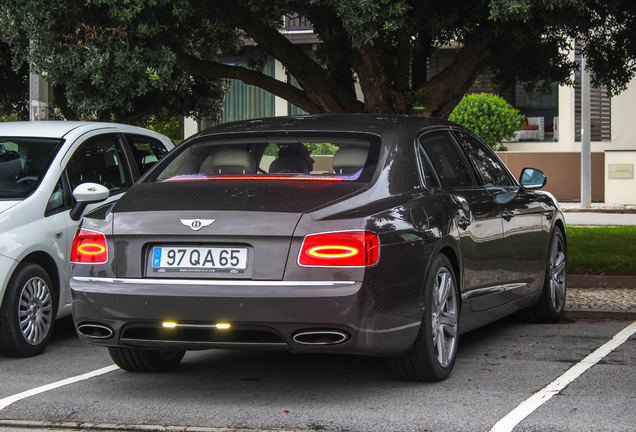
(433, 354)
(27, 316)
(551, 304)
(137, 360)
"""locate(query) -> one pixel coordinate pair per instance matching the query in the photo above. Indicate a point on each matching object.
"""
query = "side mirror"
(532, 178)
(85, 194)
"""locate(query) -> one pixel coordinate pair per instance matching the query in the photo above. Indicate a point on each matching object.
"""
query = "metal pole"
(586, 154)
(38, 98)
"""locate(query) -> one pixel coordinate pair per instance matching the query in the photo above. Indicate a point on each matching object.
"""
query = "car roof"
(57, 128)
(378, 124)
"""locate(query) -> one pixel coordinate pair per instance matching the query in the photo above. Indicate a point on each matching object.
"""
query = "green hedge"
(489, 116)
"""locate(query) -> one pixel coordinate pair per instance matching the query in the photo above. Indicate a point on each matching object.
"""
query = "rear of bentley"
(229, 243)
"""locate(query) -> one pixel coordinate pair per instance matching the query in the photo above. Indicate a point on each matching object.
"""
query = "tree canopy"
(14, 86)
(124, 56)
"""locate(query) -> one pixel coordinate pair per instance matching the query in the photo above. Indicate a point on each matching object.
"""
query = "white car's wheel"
(27, 315)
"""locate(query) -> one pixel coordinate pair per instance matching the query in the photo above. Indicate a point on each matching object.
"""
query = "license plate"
(199, 259)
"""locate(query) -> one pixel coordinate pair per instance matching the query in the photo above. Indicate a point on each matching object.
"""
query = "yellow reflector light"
(169, 324)
(223, 326)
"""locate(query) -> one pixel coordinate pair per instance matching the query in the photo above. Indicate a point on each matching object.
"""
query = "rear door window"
(451, 167)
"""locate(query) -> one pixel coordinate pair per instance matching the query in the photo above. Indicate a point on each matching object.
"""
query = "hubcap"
(35, 311)
(444, 310)
(557, 273)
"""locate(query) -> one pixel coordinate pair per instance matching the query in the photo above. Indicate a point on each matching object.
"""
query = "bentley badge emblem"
(197, 224)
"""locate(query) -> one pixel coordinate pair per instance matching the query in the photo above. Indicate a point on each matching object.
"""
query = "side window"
(100, 160)
(488, 167)
(56, 200)
(426, 169)
(450, 166)
(146, 151)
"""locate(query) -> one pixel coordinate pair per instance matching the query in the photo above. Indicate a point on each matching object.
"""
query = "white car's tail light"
(340, 249)
(89, 247)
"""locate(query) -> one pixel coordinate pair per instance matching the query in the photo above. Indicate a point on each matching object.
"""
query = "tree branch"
(328, 94)
(215, 70)
(446, 89)
(59, 95)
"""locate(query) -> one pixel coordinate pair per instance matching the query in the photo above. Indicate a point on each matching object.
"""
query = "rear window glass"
(300, 157)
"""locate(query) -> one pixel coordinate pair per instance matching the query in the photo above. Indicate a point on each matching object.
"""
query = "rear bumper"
(261, 314)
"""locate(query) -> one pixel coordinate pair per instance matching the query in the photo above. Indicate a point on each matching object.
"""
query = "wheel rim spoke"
(444, 317)
(557, 274)
(35, 311)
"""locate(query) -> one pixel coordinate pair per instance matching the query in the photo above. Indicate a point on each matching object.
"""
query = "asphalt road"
(499, 367)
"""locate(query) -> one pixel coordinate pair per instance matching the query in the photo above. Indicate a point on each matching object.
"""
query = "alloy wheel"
(557, 273)
(35, 310)
(444, 317)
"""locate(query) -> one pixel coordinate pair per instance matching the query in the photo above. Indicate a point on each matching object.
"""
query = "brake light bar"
(340, 249)
(268, 178)
(89, 247)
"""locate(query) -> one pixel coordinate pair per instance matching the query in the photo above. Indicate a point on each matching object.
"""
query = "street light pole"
(586, 130)
(40, 98)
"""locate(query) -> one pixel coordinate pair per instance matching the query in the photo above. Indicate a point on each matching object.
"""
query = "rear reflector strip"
(267, 178)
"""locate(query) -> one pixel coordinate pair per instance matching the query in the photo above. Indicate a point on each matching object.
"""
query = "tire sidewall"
(425, 336)
(553, 314)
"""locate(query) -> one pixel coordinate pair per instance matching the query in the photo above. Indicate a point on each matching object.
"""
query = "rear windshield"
(264, 157)
(23, 163)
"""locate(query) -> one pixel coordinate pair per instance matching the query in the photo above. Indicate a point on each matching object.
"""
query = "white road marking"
(25, 394)
(508, 423)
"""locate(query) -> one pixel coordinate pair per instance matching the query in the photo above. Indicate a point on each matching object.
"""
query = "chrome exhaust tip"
(95, 331)
(320, 337)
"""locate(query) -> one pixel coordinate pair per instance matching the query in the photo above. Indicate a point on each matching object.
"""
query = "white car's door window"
(146, 151)
(101, 160)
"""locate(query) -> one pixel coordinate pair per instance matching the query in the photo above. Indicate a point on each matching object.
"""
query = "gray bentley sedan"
(378, 235)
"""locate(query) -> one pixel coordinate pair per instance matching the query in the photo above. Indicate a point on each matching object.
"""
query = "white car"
(48, 173)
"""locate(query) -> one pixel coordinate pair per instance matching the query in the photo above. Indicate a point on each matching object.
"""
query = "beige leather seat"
(229, 161)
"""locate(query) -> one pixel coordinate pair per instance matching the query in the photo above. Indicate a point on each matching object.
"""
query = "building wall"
(620, 184)
(563, 170)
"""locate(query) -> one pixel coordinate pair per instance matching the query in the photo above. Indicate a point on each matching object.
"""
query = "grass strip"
(602, 250)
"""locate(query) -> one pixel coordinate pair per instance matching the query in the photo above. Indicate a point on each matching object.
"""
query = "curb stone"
(111, 427)
(590, 281)
(599, 314)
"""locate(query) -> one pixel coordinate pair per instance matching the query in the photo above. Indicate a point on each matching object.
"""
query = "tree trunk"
(446, 89)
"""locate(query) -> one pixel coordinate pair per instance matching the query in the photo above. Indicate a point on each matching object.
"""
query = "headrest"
(234, 161)
(10, 165)
(348, 160)
(288, 165)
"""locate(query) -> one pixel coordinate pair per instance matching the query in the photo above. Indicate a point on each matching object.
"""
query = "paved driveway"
(500, 368)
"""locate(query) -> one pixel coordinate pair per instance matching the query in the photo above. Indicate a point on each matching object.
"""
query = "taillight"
(89, 247)
(340, 249)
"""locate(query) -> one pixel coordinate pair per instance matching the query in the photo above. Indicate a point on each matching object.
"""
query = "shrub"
(172, 128)
(489, 116)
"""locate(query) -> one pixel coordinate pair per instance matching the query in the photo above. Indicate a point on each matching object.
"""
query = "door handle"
(463, 223)
(508, 215)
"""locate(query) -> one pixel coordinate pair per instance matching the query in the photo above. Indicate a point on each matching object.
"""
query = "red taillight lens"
(89, 247)
(340, 249)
